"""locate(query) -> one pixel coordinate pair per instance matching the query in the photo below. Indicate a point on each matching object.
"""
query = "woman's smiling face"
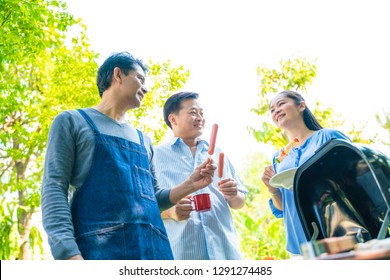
(285, 111)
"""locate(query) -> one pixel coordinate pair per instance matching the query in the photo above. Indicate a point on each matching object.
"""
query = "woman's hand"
(269, 172)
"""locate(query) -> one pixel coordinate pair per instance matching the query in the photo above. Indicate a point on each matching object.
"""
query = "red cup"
(201, 202)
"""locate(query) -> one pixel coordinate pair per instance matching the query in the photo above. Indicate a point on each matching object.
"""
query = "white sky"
(223, 41)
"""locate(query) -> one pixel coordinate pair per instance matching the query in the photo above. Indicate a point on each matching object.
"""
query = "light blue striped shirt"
(207, 235)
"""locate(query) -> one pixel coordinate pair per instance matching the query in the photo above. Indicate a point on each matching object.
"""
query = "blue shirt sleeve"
(333, 133)
(275, 211)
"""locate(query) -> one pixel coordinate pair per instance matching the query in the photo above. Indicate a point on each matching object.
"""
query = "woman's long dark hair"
(308, 117)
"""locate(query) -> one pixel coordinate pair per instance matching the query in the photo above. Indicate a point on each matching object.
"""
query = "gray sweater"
(68, 160)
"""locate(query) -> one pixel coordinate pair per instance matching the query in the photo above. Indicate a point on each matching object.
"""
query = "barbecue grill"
(344, 191)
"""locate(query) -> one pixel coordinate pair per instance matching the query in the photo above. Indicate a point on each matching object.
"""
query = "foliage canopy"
(44, 71)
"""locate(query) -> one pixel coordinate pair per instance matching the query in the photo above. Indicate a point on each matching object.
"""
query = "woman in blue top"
(290, 112)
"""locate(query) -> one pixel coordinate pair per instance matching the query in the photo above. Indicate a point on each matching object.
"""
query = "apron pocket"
(144, 181)
(131, 241)
(161, 246)
(103, 244)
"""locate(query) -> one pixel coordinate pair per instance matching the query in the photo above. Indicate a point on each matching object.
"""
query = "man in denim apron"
(103, 166)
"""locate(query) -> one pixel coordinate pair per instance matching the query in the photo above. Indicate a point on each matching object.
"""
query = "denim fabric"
(115, 213)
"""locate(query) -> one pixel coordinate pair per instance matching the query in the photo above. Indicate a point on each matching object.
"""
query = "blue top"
(298, 156)
(207, 235)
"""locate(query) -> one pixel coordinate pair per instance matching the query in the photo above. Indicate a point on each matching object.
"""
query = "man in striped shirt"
(208, 235)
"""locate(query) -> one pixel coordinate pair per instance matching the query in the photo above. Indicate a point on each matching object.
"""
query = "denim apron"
(115, 213)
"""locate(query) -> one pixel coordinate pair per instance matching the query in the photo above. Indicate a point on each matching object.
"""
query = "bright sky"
(223, 41)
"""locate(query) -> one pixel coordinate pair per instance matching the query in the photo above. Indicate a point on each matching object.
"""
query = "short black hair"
(173, 103)
(124, 60)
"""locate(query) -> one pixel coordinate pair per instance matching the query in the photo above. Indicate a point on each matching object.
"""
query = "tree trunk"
(24, 216)
(25, 225)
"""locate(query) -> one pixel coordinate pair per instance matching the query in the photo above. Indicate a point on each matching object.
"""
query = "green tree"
(261, 235)
(383, 119)
(37, 73)
(294, 74)
(164, 80)
(43, 72)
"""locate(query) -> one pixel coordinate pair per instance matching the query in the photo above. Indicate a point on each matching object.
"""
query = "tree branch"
(6, 18)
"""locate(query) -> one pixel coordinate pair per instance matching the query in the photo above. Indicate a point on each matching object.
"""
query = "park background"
(236, 54)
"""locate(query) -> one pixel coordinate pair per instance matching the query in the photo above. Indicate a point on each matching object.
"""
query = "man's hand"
(181, 211)
(203, 175)
(228, 187)
(184, 208)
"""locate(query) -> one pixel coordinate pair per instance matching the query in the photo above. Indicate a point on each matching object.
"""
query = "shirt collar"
(175, 140)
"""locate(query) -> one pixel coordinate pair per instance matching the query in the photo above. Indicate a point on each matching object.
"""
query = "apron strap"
(141, 138)
(89, 121)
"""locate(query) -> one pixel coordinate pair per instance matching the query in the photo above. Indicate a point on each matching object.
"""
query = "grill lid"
(343, 190)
